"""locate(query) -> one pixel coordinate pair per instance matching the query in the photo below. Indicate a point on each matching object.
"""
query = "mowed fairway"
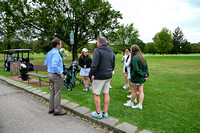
(172, 94)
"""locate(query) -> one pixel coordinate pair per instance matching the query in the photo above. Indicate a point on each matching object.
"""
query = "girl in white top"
(125, 70)
(127, 65)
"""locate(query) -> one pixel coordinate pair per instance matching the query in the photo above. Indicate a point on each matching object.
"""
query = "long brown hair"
(83, 54)
(136, 50)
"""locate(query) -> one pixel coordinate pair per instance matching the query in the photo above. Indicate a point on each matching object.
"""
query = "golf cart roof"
(16, 50)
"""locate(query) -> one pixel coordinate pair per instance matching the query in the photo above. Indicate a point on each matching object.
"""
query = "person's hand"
(92, 77)
(84, 66)
(61, 75)
(146, 78)
(123, 59)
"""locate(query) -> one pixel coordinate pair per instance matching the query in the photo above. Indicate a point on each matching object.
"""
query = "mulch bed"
(32, 81)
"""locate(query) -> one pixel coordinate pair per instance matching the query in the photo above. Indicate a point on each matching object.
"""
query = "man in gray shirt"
(101, 70)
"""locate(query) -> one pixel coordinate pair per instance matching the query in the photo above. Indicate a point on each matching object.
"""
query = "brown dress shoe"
(51, 111)
(59, 113)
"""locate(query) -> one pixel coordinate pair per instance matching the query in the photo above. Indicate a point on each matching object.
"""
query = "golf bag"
(23, 72)
(70, 75)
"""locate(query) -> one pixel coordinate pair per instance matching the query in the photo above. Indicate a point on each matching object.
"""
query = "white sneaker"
(137, 106)
(129, 96)
(110, 86)
(124, 87)
(128, 104)
(90, 87)
(127, 86)
(105, 115)
(128, 101)
(86, 89)
(135, 100)
(96, 115)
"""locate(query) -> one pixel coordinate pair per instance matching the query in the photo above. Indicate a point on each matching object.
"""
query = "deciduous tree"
(150, 48)
(46, 19)
(163, 41)
(124, 37)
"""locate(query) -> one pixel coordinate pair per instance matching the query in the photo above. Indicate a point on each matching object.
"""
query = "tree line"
(166, 42)
(33, 24)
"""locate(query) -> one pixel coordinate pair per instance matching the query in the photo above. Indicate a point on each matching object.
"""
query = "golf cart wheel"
(70, 86)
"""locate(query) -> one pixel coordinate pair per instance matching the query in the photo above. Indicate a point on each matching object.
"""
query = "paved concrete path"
(20, 113)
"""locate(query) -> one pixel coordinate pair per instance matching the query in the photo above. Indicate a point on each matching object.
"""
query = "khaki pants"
(56, 84)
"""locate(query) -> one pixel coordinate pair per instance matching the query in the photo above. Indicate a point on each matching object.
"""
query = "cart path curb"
(109, 123)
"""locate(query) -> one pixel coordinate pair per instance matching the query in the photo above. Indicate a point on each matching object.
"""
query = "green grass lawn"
(172, 94)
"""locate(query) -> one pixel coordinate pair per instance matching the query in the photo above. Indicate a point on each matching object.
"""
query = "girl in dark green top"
(139, 74)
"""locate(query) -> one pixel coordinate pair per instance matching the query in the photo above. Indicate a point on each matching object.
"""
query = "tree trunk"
(74, 52)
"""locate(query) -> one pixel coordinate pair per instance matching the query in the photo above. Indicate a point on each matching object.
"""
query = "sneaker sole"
(97, 117)
(105, 116)
(128, 105)
(136, 108)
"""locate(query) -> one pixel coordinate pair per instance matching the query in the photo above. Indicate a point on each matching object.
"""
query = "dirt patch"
(32, 81)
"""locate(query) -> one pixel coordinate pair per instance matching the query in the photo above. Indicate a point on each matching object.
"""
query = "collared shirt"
(54, 62)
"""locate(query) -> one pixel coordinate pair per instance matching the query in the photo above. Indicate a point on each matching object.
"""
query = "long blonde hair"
(136, 50)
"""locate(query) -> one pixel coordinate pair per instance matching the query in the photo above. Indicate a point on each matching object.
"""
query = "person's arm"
(147, 71)
(85, 62)
(123, 58)
(95, 63)
(89, 62)
(136, 69)
(55, 64)
(80, 62)
(113, 61)
(45, 63)
(128, 62)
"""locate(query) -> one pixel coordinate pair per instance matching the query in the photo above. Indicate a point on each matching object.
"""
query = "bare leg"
(97, 102)
(141, 94)
(134, 92)
(131, 86)
(126, 78)
(138, 92)
(85, 81)
(89, 81)
(106, 101)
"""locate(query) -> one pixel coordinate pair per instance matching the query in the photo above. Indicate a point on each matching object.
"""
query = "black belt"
(54, 73)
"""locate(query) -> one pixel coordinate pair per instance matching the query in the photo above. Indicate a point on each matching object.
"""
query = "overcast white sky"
(150, 16)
